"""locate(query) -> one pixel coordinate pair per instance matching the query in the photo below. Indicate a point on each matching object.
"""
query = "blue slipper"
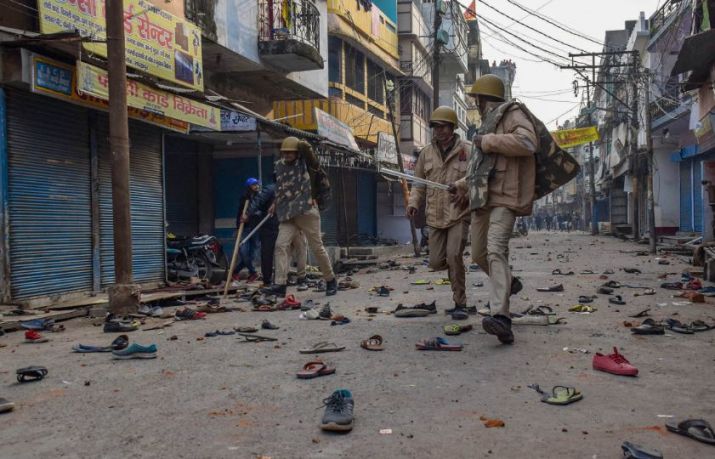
(37, 324)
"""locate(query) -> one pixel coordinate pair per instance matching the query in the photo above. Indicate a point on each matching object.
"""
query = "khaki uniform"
(510, 145)
(297, 212)
(448, 224)
(299, 254)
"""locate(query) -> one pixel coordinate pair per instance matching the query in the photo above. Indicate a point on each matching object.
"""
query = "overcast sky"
(547, 90)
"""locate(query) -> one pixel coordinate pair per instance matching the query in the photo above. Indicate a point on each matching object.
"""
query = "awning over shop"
(697, 56)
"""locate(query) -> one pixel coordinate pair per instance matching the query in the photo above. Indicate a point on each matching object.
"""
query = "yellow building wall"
(352, 21)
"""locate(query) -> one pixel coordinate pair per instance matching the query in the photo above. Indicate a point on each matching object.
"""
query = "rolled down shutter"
(697, 196)
(686, 197)
(49, 197)
(147, 203)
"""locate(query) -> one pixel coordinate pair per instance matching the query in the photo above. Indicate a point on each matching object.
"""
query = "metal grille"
(147, 203)
(49, 197)
(289, 19)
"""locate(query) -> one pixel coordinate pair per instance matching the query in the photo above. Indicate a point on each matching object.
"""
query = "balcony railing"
(289, 34)
(291, 19)
(660, 17)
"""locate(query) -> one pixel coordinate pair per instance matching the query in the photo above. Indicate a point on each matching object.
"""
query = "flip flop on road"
(560, 395)
(249, 338)
(583, 299)
(678, 327)
(700, 326)
(633, 451)
(582, 308)
(648, 291)
(697, 429)
(322, 347)
(632, 270)
(437, 344)
(558, 272)
(618, 299)
(612, 284)
(315, 369)
(29, 374)
(420, 282)
(456, 329)
(605, 291)
(643, 313)
(119, 343)
(374, 343)
(555, 288)
(649, 327)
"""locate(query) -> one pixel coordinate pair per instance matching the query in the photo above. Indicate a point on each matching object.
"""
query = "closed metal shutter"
(686, 198)
(697, 196)
(147, 203)
(182, 201)
(619, 204)
(366, 203)
(329, 217)
(49, 196)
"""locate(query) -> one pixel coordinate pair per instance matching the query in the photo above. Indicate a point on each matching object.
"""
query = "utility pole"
(651, 167)
(435, 55)
(634, 145)
(123, 295)
(591, 172)
(405, 190)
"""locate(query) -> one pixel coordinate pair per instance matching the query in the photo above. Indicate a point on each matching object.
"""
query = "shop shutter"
(147, 203)
(697, 196)
(686, 198)
(619, 205)
(329, 217)
(49, 197)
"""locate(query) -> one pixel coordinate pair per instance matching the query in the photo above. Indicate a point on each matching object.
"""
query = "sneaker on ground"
(499, 326)
(113, 326)
(33, 336)
(614, 363)
(136, 351)
(331, 287)
(275, 289)
(338, 416)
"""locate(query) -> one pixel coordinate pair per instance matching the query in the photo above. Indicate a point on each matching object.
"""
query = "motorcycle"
(199, 257)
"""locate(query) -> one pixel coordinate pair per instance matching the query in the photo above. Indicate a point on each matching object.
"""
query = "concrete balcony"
(412, 24)
(671, 14)
(289, 35)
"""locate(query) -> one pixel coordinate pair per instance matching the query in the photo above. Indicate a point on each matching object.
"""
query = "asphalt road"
(218, 397)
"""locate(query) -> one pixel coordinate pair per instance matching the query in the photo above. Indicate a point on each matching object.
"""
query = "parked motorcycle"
(199, 257)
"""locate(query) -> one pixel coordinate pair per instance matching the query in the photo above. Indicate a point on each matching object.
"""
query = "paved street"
(216, 397)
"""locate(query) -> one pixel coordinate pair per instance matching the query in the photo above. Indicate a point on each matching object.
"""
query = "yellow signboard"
(157, 42)
(568, 138)
(95, 82)
(55, 79)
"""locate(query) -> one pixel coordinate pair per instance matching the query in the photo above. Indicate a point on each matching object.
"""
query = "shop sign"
(95, 82)
(334, 130)
(568, 138)
(236, 122)
(157, 42)
(386, 148)
(59, 80)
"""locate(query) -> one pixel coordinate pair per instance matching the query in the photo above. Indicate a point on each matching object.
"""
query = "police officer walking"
(444, 161)
(297, 210)
(500, 186)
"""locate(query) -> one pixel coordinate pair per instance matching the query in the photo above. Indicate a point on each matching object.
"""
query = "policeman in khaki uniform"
(297, 210)
(499, 186)
(444, 161)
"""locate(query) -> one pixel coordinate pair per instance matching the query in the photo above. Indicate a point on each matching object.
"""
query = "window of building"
(406, 99)
(335, 60)
(335, 92)
(355, 101)
(354, 69)
(375, 82)
(376, 111)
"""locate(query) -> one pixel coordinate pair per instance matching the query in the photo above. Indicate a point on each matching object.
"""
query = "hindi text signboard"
(568, 138)
(334, 130)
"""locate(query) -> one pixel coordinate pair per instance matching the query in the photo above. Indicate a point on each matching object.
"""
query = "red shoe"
(33, 336)
(289, 303)
(614, 363)
(252, 278)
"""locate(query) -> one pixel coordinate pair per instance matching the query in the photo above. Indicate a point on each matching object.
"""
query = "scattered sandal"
(29, 374)
(697, 429)
(643, 313)
(618, 299)
(633, 451)
(456, 329)
(632, 270)
(560, 395)
(374, 343)
(267, 325)
(646, 292)
(582, 308)
(583, 299)
(555, 288)
(322, 347)
(437, 344)
(700, 326)
(678, 327)
(558, 272)
(649, 327)
(315, 369)
(605, 291)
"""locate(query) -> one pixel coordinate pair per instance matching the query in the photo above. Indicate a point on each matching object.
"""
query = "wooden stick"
(235, 251)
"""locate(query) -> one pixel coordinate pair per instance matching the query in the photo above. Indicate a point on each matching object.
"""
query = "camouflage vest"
(554, 167)
(293, 189)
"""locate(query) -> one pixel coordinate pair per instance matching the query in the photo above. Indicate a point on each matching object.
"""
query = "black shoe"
(432, 307)
(338, 415)
(499, 326)
(326, 312)
(331, 287)
(118, 327)
(516, 285)
(469, 309)
(301, 281)
(275, 289)
(460, 312)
